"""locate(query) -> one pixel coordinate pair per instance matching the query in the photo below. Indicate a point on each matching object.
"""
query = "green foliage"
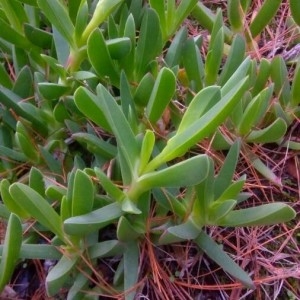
(11, 248)
(94, 143)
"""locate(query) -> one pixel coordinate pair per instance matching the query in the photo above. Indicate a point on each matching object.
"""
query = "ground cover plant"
(149, 149)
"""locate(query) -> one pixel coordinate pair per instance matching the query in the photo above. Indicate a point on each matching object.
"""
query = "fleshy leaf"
(56, 12)
(161, 95)
(60, 273)
(267, 214)
(181, 142)
(213, 250)
(83, 194)
(185, 173)
(11, 250)
(131, 268)
(93, 221)
(37, 207)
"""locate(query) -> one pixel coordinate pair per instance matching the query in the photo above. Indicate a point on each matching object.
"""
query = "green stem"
(75, 59)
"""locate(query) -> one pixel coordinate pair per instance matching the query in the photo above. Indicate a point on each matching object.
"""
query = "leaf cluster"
(100, 125)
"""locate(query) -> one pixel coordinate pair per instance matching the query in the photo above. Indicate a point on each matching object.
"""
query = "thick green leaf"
(112, 28)
(6, 137)
(60, 112)
(270, 134)
(27, 147)
(110, 188)
(52, 91)
(200, 104)
(80, 284)
(131, 268)
(264, 16)
(127, 62)
(174, 53)
(53, 164)
(296, 86)
(57, 14)
(233, 190)
(37, 251)
(280, 111)
(119, 47)
(166, 199)
(188, 230)
(37, 207)
(83, 194)
(19, 54)
(295, 10)
(11, 249)
(128, 206)
(83, 75)
(204, 16)
(37, 36)
(170, 11)
(127, 103)
(227, 170)
(126, 231)
(15, 13)
(241, 72)
(149, 44)
(204, 126)
(245, 4)
(160, 8)
(36, 181)
(24, 86)
(65, 210)
(214, 251)
(220, 141)
(100, 58)
(62, 49)
(119, 125)
(204, 195)
(14, 102)
(255, 111)
(162, 93)
(193, 64)
(146, 150)
(55, 65)
(263, 169)
(144, 89)
(219, 209)
(105, 249)
(267, 214)
(12, 36)
(262, 76)
(55, 192)
(234, 60)
(103, 9)
(23, 128)
(214, 58)
(93, 221)
(82, 16)
(279, 75)
(4, 212)
(186, 173)
(96, 144)
(5, 79)
(235, 15)
(12, 154)
(182, 11)
(10, 202)
(60, 273)
(88, 104)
